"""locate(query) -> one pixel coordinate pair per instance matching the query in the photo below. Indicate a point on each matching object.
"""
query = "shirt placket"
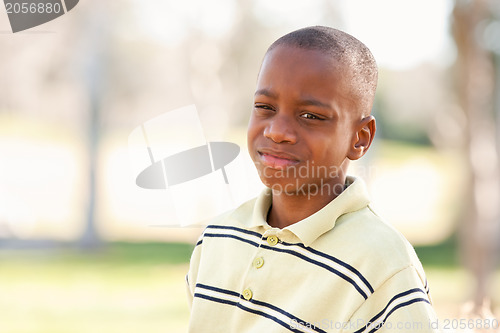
(270, 238)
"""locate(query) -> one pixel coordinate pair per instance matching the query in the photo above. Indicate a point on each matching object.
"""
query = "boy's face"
(303, 124)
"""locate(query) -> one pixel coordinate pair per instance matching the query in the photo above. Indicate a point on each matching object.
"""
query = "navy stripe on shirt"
(417, 298)
(267, 306)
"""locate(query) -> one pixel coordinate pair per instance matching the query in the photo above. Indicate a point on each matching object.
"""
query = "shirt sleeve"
(401, 304)
(192, 274)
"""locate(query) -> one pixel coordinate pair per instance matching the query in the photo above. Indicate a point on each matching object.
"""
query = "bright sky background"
(400, 33)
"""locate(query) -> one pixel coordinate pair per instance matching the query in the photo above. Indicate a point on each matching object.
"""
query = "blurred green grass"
(441, 255)
(122, 287)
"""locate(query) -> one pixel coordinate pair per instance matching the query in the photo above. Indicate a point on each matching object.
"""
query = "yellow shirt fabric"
(342, 269)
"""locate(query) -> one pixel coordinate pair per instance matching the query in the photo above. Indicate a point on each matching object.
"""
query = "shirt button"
(247, 294)
(272, 240)
(258, 262)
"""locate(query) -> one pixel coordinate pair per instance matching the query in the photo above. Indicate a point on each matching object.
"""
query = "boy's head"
(360, 69)
(312, 108)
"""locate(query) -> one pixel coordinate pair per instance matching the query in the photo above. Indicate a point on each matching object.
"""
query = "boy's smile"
(277, 159)
(303, 117)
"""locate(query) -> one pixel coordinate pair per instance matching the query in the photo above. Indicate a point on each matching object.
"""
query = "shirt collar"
(353, 198)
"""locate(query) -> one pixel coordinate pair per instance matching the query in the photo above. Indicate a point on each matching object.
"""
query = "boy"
(309, 254)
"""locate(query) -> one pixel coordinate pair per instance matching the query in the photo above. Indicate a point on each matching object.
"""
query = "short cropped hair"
(360, 65)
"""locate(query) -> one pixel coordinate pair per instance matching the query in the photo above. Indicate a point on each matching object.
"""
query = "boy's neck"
(287, 209)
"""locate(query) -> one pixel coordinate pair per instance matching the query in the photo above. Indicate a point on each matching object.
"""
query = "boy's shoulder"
(238, 217)
(375, 245)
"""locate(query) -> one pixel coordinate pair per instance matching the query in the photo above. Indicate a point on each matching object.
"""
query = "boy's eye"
(262, 106)
(310, 116)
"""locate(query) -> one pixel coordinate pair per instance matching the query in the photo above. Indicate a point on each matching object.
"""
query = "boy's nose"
(280, 130)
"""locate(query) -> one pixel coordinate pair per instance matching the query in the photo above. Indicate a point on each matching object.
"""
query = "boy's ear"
(362, 138)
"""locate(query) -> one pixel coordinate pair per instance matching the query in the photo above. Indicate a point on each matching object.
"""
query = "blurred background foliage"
(77, 248)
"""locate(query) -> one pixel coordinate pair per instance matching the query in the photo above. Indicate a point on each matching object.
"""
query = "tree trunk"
(475, 88)
(94, 49)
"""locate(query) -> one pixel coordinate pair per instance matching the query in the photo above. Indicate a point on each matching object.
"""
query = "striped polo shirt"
(342, 269)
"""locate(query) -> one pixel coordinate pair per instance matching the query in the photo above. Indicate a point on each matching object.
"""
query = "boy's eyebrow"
(265, 92)
(304, 101)
(315, 102)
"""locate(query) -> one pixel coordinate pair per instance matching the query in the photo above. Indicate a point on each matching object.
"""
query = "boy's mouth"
(277, 160)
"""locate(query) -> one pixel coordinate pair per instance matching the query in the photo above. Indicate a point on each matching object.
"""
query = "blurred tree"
(475, 89)
(93, 70)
